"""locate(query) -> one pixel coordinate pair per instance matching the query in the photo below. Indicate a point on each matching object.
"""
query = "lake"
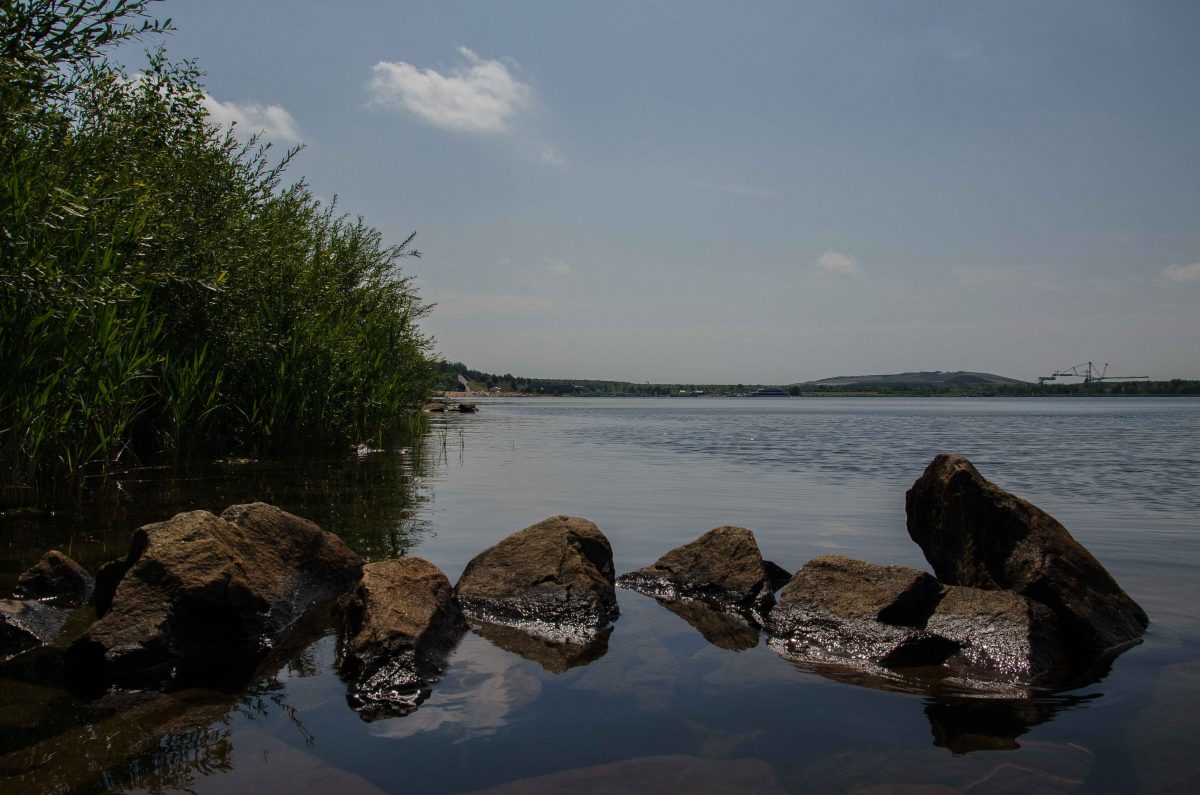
(659, 708)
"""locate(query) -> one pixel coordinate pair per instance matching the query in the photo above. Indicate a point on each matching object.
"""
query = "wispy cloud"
(837, 263)
(271, 121)
(478, 96)
(558, 268)
(1184, 274)
(552, 157)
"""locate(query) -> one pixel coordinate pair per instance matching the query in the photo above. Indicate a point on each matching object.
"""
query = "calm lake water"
(661, 709)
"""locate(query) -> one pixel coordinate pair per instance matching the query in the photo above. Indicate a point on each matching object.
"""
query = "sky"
(749, 192)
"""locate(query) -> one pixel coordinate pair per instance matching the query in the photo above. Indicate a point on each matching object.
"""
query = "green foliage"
(159, 290)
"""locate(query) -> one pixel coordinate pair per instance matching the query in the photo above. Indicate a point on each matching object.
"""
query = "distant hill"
(957, 378)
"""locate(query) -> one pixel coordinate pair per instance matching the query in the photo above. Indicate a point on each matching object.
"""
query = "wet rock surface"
(553, 579)
(55, 575)
(838, 608)
(841, 610)
(27, 624)
(203, 598)
(401, 621)
(974, 533)
(723, 567)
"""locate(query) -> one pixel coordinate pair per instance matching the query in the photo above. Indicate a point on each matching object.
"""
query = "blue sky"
(750, 192)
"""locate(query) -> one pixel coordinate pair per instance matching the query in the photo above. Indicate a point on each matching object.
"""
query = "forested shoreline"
(163, 290)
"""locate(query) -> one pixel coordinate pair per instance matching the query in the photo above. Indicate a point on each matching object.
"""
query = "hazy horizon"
(764, 193)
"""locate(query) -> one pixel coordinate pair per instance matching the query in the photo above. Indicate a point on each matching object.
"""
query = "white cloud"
(1184, 274)
(837, 263)
(271, 121)
(558, 267)
(480, 96)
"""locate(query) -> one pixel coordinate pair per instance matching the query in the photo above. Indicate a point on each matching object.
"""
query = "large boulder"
(976, 534)
(1008, 635)
(202, 598)
(554, 579)
(840, 610)
(722, 567)
(55, 575)
(26, 624)
(837, 608)
(401, 621)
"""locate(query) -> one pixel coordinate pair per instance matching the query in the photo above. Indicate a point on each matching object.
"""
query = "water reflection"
(719, 627)
(982, 724)
(555, 657)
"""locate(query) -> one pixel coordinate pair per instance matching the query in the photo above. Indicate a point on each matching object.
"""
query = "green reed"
(160, 292)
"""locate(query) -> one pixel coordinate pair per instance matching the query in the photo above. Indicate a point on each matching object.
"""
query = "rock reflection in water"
(983, 724)
(722, 629)
(964, 715)
(554, 656)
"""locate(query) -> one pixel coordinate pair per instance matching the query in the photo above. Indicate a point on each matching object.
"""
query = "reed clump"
(161, 290)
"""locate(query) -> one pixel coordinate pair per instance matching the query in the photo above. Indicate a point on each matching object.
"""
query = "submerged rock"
(840, 610)
(723, 566)
(401, 621)
(55, 575)
(976, 534)
(553, 579)
(202, 598)
(26, 624)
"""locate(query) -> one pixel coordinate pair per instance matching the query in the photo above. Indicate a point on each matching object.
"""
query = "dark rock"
(838, 608)
(1002, 633)
(401, 621)
(777, 575)
(108, 578)
(204, 598)
(976, 534)
(721, 628)
(722, 566)
(26, 624)
(55, 575)
(434, 407)
(554, 579)
(467, 408)
(553, 656)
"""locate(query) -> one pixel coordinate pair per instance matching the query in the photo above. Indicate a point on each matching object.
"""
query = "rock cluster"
(1017, 604)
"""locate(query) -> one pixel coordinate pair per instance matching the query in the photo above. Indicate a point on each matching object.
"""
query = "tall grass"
(161, 291)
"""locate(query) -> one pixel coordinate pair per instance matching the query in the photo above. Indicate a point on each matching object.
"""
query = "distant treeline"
(161, 290)
(448, 373)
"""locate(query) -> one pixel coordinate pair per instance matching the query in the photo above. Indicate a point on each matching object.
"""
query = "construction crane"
(1090, 374)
